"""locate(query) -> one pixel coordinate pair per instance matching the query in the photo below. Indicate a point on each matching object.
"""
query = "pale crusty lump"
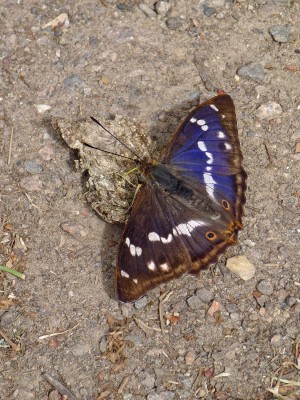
(110, 188)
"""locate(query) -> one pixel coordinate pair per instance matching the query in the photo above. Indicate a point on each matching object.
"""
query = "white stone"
(241, 267)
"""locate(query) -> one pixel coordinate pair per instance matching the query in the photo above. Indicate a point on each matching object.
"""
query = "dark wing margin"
(163, 240)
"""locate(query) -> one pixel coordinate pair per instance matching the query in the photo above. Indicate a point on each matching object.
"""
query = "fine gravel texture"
(230, 332)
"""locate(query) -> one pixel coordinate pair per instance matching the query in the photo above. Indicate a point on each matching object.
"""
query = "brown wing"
(164, 239)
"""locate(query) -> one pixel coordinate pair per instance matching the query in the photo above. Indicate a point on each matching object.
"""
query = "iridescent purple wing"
(205, 151)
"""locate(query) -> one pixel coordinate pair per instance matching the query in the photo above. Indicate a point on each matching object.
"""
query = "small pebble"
(149, 381)
(46, 153)
(205, 295)
(209, 11)
(265, 287)
(262, 300)
(190, 357)
(167, 395)
(252, 71)
(241, 267)
(31, 184)
(174, 23)
(194, 302)
(54, 395)
(141, 303)
(147, 10)
(33, 167)
(214, 308)
(42, 108)
(276, 341)
(269, 110)
(72, 81)
(217, 3)
(281, 34)
(162, 8)
(73, 229)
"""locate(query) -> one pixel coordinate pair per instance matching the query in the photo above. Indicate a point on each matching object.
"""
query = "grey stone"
(205, 295)
(174, 23)
(141, 303)
(72, 81)
(147, 10)
(252, 71)
(162, 8)
(209, 11)
(265, 287)
(33, 167)
(269, 110)
(281, 34)
(194, 302)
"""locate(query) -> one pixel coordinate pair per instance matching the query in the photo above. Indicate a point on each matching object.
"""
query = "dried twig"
(58, 333)
(197, 379)
(10, 145)
(60, 387)
(123, 384)
(145, 327)
(163, 298)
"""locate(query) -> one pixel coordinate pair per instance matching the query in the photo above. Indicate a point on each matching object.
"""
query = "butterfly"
(190, 206)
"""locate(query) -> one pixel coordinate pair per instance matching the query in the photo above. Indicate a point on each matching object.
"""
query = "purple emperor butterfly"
(189, 209)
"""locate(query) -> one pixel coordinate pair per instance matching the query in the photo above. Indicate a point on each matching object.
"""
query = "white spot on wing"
(132, 249)
(182, 229)
(202, 145)
(195, 223)
(204, 128)
(192, 120)
(201, 122)
(210, 158)
(164, 267)
(227, 146)
(209, 182)
(124, 274)
(151, 265)
(127, 241)
(135, 250)
(214, 107)
(153, 237)
(168, 239)
(135, 281)
(221, 135)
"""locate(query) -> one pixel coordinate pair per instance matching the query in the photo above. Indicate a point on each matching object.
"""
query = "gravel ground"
(228, 333)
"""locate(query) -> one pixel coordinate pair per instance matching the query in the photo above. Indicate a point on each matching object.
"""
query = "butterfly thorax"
(162, 177)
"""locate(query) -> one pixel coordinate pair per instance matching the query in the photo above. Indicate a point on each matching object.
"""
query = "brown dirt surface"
(214, 336)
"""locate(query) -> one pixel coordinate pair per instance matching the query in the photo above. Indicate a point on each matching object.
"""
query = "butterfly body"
(190, 206)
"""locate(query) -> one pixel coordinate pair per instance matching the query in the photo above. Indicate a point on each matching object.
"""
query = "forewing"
(205, 153)
(163, 239)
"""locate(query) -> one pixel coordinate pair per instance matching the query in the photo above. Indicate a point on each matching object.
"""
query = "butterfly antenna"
(112, 135)
(110, 152)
